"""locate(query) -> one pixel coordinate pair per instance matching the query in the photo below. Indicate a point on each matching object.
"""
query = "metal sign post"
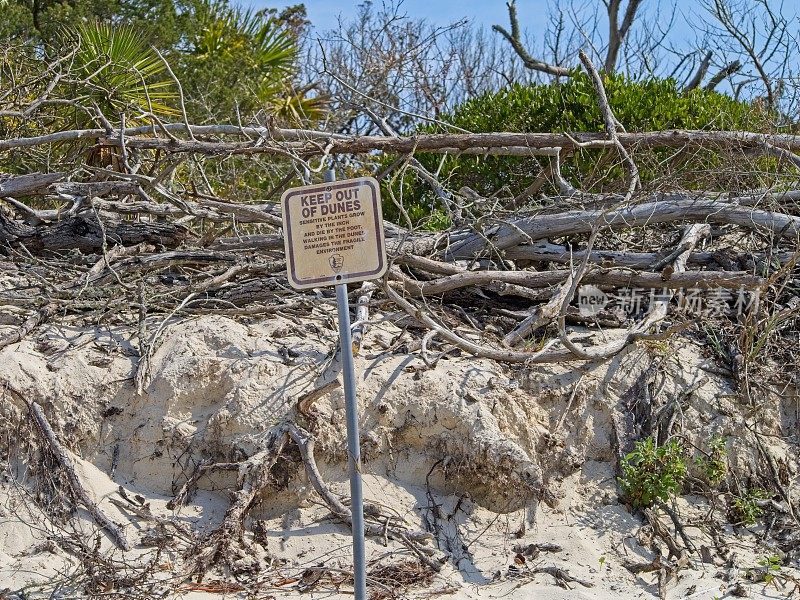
(333, 235)
(353, 444)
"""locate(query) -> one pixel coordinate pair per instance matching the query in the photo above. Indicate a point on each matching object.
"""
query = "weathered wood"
(248, 242)
(76, 487)
(667, 209)
(603, 277)
(85, 233)
(543, 251)
(54, 184)
(174, 258)
(29, 325)
(540, 317)
(545, 355)
(362, 314)
(313, 143)
(25, 185)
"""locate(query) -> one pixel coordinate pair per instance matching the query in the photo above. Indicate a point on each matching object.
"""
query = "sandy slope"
(498, 439)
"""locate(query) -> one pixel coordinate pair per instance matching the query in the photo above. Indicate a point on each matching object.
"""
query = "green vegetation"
(772, 566)
(647, 105)
(234, 59)
(126, 57)
(714, 465)
(232, 63)
(119, 73)
(651, 472)
(567, 106)
(745, 508)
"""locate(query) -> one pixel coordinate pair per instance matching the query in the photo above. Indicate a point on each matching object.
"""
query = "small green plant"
(714, 465)
(771, 567)
(651, 472)
(716, 344)
(658, 347)
(746, 510)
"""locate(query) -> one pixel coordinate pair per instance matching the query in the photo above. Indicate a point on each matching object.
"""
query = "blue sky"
(533, 14)
(323, 13)
(654, 15)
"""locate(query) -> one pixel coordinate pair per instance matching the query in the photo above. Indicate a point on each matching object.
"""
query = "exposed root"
(188, 489)
(253, 478)
(76, 488)
(413, 540)
(667, 569)
(561, 576)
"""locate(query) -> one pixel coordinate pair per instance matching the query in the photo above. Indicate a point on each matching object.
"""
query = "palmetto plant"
(229, 31)
(117, 73)
(245, 60)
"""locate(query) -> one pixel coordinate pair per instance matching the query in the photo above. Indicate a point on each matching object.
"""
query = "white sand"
(217, 386)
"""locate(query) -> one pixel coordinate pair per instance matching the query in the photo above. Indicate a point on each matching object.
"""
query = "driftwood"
(667, 209)
(277, 141)
(543, 251)
(540, 316)
(362, 314)
(601, 277)
(414, 540)
(87, 234)
(76, 488)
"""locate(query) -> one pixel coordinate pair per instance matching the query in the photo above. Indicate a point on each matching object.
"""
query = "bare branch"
(723, 74)
(697, 79)
(514, 38)
(617, 32)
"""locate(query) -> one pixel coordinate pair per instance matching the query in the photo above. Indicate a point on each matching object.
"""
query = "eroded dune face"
(217, 387)
(479, 444)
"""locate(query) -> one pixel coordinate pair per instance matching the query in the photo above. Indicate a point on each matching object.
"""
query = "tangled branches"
(146, 234)
(145, 222)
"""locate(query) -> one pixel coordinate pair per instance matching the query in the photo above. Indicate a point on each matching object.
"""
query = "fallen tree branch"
(86, 234)
(31, 323)
(611, 121)
(412, 539)
(618, 278)
(77, 490)
(540, 317)
(317, 143)
(561, 576)
(362, 315)
(543, 251)
(545, 355)
(189, 487)
(667, 209)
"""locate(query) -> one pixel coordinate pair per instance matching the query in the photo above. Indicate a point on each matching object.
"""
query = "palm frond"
(119, 73)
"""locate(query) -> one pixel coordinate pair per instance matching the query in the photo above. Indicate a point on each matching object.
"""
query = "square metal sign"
(333, 233)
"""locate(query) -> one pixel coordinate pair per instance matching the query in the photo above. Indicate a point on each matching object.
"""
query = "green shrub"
(714, 465)
(651, 472)
(745, 509)
(571, 106)
(647, 105)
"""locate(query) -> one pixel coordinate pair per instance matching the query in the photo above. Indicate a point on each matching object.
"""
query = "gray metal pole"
(353, 446)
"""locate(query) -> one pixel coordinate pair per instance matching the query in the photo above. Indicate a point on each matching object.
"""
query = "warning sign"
(333, 233)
